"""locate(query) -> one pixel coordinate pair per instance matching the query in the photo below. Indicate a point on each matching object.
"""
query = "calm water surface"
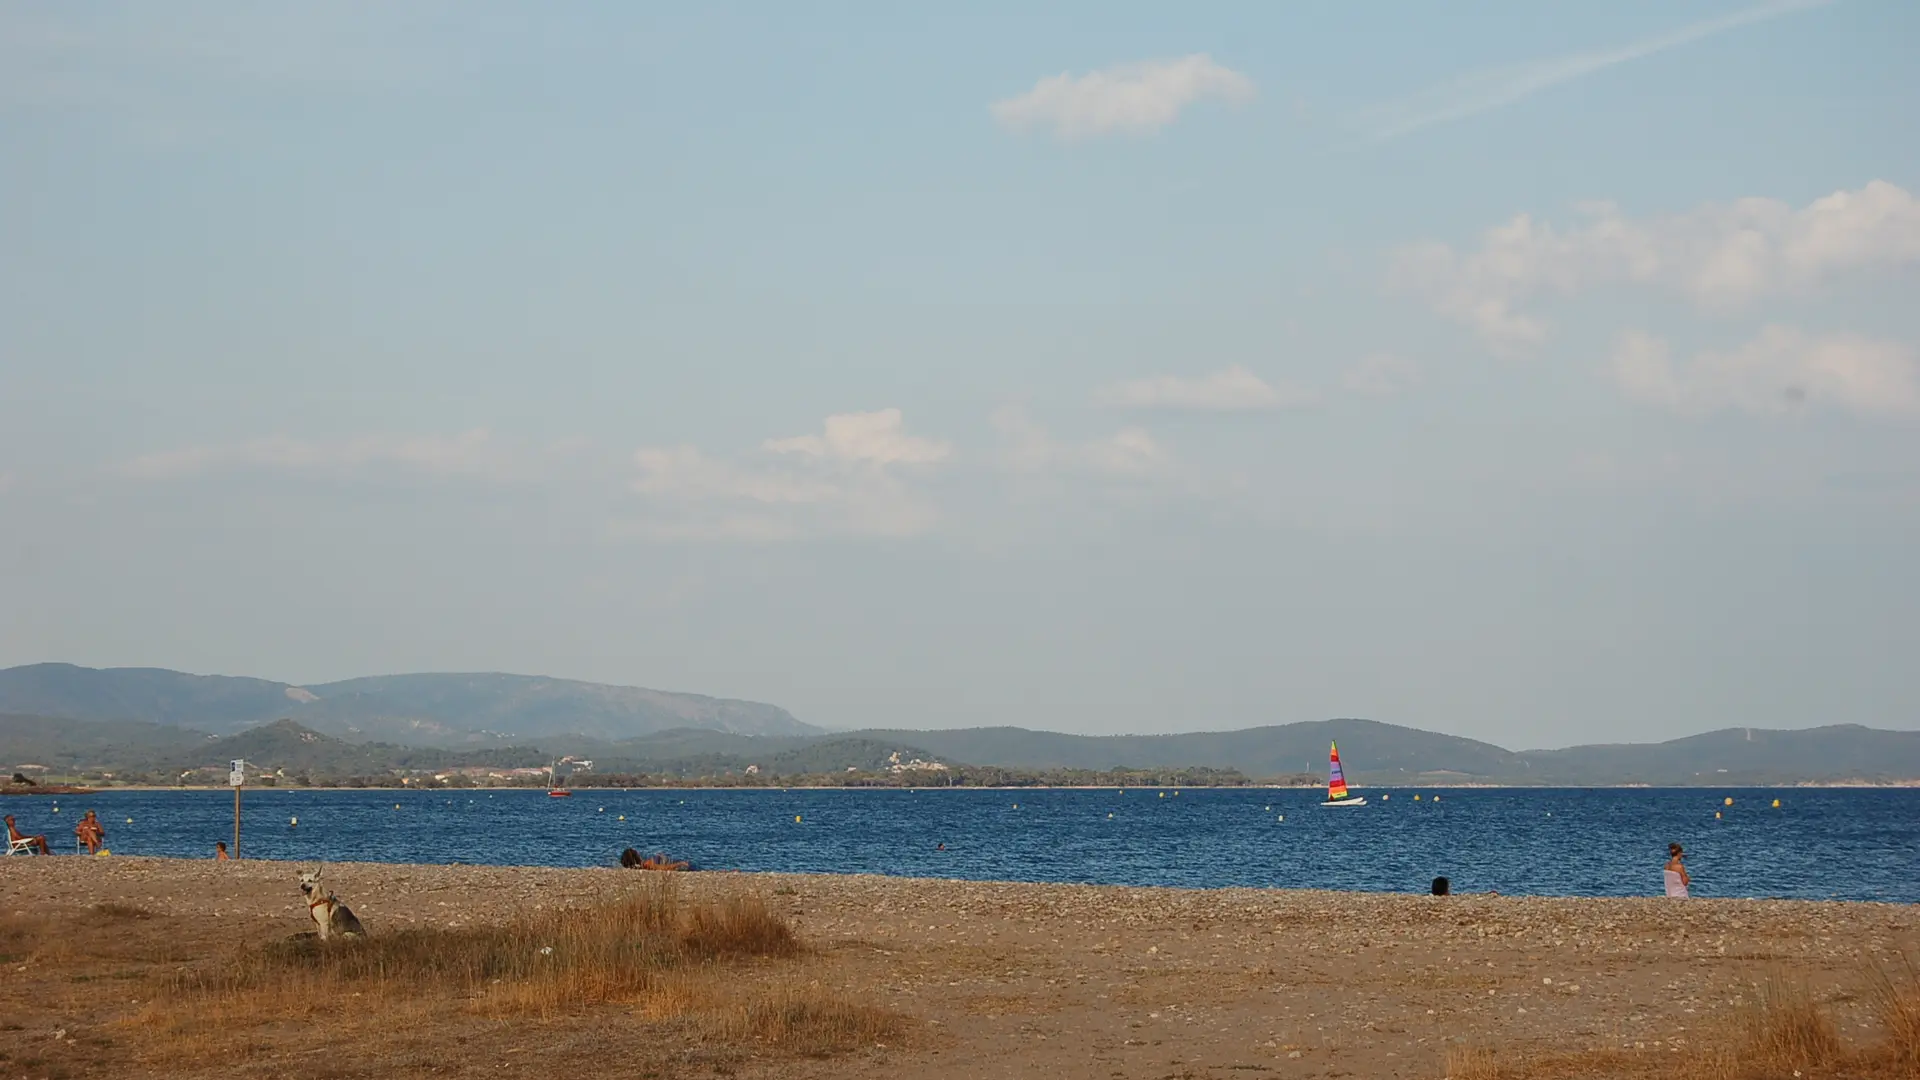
(1850, 844)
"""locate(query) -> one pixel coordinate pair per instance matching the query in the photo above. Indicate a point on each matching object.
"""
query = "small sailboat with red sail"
(1337, 794)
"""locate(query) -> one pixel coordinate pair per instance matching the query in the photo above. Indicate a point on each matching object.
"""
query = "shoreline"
(782, 877)
(729, 874)
(1836, 785)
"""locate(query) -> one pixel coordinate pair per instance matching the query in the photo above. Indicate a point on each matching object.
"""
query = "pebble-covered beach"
(1011, 979)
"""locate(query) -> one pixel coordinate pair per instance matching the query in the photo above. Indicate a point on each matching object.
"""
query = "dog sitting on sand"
(329, 914)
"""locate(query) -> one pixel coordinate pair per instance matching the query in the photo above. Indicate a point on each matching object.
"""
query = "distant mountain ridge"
(422, 710)
(147, 712)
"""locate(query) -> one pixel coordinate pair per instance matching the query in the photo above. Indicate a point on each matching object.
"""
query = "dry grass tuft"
(676, 962)
(1786, 1031)
(114, 910)
(808, 1020)
(1895, 992)
(1472, 1063)
(738, 925)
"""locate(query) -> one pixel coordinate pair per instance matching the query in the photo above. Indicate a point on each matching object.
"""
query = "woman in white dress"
(1676, 873)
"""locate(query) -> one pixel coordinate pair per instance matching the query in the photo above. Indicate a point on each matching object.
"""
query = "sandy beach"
(992, 979)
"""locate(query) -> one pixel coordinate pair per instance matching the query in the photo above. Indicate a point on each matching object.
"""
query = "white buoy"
(292, 821)
(1283, 817)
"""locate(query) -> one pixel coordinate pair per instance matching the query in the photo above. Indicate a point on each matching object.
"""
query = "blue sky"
(1538, 373)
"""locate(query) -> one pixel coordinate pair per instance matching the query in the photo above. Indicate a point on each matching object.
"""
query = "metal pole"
(236, 822)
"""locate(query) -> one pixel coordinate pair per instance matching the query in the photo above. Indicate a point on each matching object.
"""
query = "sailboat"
(554, 790)
(1337, 783)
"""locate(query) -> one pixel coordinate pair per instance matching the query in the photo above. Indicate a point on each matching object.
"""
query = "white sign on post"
(238, 776)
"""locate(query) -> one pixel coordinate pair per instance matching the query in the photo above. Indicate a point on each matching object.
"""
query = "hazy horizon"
(1543, 377)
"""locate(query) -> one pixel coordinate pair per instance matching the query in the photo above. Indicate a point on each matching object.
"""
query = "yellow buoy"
(1176, 793)
(1163, 794)
(623, 817)
(1436, 798)
(1384, 798)
(1283, 817)
(1776, 804)
(1416, 798)
(1729, 800)
(396, 806)
(292, 821)
(1716, 815)
(1109, 817)
(796, 817)
(602, 810)
(1016, 806)
(129, 821)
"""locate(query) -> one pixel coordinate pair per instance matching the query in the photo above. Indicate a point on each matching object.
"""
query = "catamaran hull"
(1356, 801)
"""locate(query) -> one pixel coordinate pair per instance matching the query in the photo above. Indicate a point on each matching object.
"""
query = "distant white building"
(894, 764)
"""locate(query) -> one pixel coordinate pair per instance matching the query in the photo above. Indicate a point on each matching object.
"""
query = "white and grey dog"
(329, 914)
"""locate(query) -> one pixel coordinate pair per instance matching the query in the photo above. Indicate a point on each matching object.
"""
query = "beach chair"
(18, 843)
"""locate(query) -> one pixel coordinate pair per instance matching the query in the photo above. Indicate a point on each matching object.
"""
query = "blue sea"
(1848, 844)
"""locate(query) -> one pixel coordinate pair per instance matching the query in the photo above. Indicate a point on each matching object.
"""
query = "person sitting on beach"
(219, 851)
(630, 859)
(37, 843)
(91, 833)
(1676, 873)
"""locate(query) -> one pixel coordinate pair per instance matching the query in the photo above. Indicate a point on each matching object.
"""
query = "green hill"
(66, 746)
(419, 710)
(1738, 755)
(1378, 753)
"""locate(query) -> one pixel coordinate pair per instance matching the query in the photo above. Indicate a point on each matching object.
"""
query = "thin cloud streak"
(1494, 88)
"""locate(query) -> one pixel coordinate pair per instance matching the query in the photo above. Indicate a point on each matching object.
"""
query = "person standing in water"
(1676, 873)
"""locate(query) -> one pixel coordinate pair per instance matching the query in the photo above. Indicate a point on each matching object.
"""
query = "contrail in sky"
(1483, 91)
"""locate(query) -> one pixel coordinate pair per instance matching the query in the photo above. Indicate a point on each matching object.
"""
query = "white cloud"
(842, 481)
(870, 436)
(1720, 256)
(1779, 371)
(1232, 390)
(1381, 375)
(1484, 91)
(1025, 446)
(1127, 98)
(471, 453)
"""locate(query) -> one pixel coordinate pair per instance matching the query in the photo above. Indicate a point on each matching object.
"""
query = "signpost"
(237, 778)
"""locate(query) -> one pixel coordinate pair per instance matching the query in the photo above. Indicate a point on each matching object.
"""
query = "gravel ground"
(1013, 980)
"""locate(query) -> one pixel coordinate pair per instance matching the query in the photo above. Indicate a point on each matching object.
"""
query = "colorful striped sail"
(1336, 780)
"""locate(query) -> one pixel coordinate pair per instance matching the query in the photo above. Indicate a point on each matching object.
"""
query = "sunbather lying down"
(631, 860)
(15, 836)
